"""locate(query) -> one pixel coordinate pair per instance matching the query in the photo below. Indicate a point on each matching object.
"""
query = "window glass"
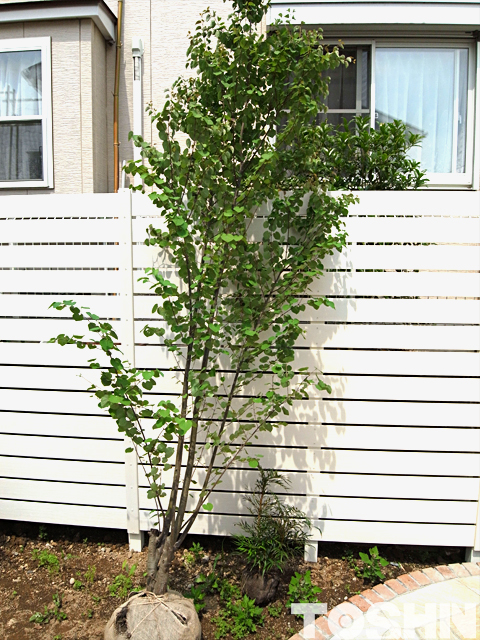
(20, 83)
(21, 125)
(427, 89)
(349, 87)
(21, 150)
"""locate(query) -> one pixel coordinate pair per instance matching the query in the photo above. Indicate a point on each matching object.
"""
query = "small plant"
(228, 591)
(57, 605)
(46, 559)
(349, 591)
(204, 584)
(122, 583)
(42, 532)
(238, 618)
(89, 574)
(89, 613)
(197, 550)
(41, 618)
(372, 565)
(49, 614)
(348, 557)
(85, 540)
(188, 558)
(78, 585)
(275, 611)
(278, 531)
(96, 599)
(197, 594)
(57, 637)
(301, 589)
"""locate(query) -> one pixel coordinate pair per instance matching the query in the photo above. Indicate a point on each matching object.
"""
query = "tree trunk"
(159, 561)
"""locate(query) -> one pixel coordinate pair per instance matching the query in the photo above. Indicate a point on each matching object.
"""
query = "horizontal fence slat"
(369, 283)
(52, 354)
(68, 256)
(305, 411)
(385, 486)
(60, 492)
(65, 514)
(419, 228)
(78, 205)
(62, 470)
(54, 230)
(351, 387)
(346, 484)
(62, 448)
(348, 362)
(424, 463)
(60, 281)
(398, 463)
(430, 203)
(363, 336)
(425, 258)
(67, 426)
(329, 361)
(348, 531)
(420, 511)
(359, 336)
(38, 306)
(460, 312)
(43, 330)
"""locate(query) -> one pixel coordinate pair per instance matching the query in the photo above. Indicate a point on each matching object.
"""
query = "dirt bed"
(64, 577)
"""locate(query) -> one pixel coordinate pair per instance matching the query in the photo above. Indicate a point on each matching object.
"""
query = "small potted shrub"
(277, 534)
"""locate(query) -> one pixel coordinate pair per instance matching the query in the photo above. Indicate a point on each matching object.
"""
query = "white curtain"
(20, 83)
(426, 88)
(21, 143)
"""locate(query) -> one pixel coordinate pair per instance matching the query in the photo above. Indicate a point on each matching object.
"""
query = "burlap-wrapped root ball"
(146, 616)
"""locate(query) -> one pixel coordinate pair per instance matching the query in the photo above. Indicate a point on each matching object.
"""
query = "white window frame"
(469, 178)
(44, 46)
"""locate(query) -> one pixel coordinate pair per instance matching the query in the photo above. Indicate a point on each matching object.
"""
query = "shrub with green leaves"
(122, 583)
(372, 565)
(301, 589)
(239, 618)
(356, 156)
(278, 532)
(46, 559)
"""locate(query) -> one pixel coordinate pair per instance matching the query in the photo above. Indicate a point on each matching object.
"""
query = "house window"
(430, 88)
(25, 113)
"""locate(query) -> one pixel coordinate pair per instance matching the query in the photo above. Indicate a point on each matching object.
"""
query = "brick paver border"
(357, 605)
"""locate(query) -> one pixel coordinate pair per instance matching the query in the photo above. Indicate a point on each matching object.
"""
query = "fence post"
(313, 470)
(472, 554)
(135, 535)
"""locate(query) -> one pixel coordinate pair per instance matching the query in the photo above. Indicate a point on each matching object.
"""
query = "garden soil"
(89, 562)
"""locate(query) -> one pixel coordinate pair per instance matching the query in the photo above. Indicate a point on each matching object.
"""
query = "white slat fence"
(392, 456)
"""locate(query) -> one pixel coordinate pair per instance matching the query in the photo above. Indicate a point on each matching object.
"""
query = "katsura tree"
(246, 223)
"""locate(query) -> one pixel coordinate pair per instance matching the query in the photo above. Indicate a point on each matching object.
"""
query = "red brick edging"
(357, 605)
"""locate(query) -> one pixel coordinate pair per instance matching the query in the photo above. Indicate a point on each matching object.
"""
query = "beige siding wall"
(83, 67)
(102, 136)
(79, 55)
(163, 25)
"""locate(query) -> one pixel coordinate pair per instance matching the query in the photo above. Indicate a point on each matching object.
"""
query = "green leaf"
(208, 506)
